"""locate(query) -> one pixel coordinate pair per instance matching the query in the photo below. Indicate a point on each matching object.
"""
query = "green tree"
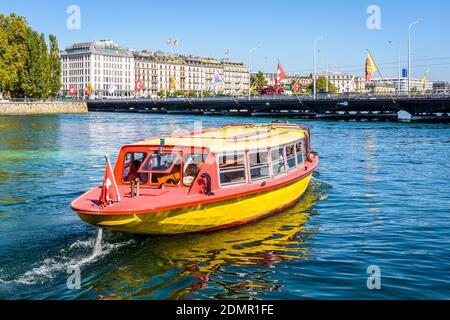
(161, 93)
(258, 81)
(35, 79)
(27, 68)
(55, 67)
(178, 93)
(321, 85)
(14, 33)
(193, 94)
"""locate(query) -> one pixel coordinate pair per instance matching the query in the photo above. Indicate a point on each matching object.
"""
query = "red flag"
(110, 192)
(139, 85)
(295, 87)
(73, 90)
(280, 74)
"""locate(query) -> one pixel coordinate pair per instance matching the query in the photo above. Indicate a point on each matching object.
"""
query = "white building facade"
(401, 85)
(104, 65)
(160, 71)
(346, 83)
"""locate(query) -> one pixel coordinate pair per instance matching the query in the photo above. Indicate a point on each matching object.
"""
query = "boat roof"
(234, 137)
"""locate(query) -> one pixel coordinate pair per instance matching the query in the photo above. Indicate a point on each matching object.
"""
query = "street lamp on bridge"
(314, 64)
(409, 53)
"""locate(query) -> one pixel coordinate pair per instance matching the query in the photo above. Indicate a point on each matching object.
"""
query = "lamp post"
(314, 65)
(250, 70)
(398, 68)
(409, 54)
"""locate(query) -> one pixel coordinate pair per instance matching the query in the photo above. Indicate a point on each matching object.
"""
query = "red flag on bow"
(110, 192)
(280, 74)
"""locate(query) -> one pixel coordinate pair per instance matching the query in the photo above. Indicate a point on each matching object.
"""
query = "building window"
(132, 163)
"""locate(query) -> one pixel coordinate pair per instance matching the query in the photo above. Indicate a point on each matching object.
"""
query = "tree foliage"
(55, 67)
(13, 49)
(321, 85)
(258, 81)
(27, 67)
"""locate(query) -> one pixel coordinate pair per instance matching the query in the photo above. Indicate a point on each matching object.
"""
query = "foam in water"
(50, 267)
(98, 243)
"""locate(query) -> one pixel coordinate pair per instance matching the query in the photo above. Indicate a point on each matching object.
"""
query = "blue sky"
(283, 30)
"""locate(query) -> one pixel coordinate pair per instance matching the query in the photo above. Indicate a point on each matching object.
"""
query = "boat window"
(232, 168)
(192, 164)
(132, 163)
(305, 148)
(259, 165)
(290, 157)
(278, 166)
(169, 177)
(163, 167)
(159, 161)
(299, 150)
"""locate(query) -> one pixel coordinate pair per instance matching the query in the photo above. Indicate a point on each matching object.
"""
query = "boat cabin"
(206, 161)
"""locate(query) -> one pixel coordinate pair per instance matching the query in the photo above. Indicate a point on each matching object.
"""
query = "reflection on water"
(200, 257)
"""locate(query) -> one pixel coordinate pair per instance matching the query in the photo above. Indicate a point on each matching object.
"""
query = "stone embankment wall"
(15, 108)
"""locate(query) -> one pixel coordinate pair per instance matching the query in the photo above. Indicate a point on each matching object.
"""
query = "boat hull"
(208, 216)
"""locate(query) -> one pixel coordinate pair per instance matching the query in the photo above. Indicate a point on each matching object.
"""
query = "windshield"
(159, 162)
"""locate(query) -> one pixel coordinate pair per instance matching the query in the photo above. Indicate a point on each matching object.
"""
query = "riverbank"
(23, 108)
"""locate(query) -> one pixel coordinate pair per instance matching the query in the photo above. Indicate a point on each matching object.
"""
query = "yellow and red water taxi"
(202, 181)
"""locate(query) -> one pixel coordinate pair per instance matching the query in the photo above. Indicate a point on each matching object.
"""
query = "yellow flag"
(371, 67)
(89, 89)
(425, 77)
(172, 83)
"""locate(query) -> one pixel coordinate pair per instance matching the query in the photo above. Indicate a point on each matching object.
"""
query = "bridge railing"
(244, 98)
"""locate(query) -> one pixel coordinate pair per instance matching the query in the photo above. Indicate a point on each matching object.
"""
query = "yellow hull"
(205, 217)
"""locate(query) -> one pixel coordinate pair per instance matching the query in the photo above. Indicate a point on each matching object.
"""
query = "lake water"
(381, 197)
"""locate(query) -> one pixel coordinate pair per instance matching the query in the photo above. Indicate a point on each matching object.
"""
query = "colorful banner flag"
(371, 67)
(89, 89)
(73, 90)
(216, 80)
(351, 85)
(296, 86)
(139, 86)
(110, 192)
(425, 78)
(172, 83)
(280, 74)
(112, 88)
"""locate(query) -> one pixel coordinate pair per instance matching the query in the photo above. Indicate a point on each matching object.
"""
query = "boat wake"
(320, 188)
(78, 254)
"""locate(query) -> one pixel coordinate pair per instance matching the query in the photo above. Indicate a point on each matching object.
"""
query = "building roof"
(163, 57)
(102, 47)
